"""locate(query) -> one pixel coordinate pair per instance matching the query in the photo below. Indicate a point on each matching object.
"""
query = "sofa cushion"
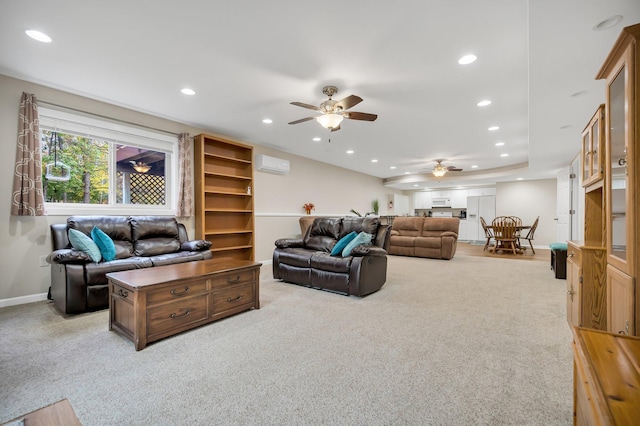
(295, 256)
(324, 234)
(326, 262)
(116, 227)
(179, 257)
(362, 239)
(104, 243)
(340, 245)
(154, 235)
(82, 242)
(368, 224)
(95, 272)
(408, 226)
(402, 241)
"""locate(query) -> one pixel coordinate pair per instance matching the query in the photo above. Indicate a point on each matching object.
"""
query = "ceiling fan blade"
(335, 129)
(302, 120)
(360, 116)
(348, 102)
(303, 105)
(453, 169)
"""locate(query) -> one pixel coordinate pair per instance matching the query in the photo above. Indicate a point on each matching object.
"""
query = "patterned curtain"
(27, 198)
(185, 197)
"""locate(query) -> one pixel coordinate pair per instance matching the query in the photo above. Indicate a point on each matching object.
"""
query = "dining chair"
(529, 235)
(518, 222)
(504, 232)
(488, 233)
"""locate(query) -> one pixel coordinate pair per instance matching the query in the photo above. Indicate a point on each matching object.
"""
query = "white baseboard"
(22, 300)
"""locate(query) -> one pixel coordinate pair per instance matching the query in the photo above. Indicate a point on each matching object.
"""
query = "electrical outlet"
(43, 262)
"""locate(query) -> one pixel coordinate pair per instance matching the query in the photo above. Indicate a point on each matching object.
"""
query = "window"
(91, 164)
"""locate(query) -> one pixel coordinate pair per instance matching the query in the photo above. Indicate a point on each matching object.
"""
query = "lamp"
(439, 170)
(330, 121)
(140, 167)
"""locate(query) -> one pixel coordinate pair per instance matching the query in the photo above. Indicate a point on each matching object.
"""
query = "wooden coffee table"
(149, 304)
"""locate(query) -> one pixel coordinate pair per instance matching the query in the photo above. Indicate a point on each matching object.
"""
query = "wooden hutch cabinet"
(223, 174)
(587, 260)
(593, 149)
(621, 70)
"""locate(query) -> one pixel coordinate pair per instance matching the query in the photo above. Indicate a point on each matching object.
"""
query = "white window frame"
(120, 133)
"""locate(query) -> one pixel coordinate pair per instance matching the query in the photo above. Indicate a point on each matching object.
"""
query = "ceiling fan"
(333, 112)
(439, 170)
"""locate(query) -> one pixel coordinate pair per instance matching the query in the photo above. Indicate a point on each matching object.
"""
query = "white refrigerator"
(479, 206)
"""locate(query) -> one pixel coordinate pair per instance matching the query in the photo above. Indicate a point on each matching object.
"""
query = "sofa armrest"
(195, 245)
(449, 234)
(363, 250)
(69, 256)
(289, 243)
(394, 232)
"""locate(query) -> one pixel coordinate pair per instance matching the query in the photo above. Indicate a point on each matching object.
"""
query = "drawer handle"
(174, 316)
(173, 291)
(233, 280)
(234, 299)
(123, 293)
(571, 254)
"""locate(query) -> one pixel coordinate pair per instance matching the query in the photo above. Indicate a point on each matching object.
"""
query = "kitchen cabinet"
(621, 71)
(593, 149)
(459, 198)
(463, 232)
(477, 192)
(422, 200)
(440, 194)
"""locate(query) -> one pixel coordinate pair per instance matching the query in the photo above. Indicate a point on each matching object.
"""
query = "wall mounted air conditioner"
(269, 164)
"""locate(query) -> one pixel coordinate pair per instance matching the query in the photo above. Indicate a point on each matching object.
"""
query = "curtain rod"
(108, 118)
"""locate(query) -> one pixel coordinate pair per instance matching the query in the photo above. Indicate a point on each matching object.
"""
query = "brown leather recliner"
(308, 261)
(78, 284)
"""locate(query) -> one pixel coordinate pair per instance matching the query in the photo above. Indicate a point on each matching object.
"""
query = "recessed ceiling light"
(350, 151)
(607, 23)
(520, 179)
(416, 185)
(467, 59)
(392, 167)
(374, 160)
(267, 121)
(504, 155)
(493, 128)
(475, 166)
(187, 91)
(484, 103)
(499, 143)
(407, 173)
(37, 35)
(317, 139)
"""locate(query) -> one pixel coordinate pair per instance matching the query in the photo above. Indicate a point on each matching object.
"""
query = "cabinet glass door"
(586, 156)
(619, 174)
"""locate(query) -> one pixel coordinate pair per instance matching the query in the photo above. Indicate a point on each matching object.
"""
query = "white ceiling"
(248, 60)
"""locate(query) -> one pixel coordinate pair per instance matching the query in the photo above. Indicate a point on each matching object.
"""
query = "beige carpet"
(470, 341)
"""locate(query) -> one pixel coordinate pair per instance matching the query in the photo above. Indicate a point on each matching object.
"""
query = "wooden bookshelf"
(223, 173)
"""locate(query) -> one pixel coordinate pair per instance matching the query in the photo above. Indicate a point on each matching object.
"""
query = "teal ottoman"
(559, 259)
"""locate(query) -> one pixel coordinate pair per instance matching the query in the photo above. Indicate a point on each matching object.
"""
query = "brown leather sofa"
(307, 261)
(78, 284)
(431, 237)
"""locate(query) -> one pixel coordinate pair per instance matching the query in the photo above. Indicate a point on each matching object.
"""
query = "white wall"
(528, 200)
(278, 198)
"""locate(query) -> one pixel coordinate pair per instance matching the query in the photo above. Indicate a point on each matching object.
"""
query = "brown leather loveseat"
(308, 261)
(431, 237)
(78, 284)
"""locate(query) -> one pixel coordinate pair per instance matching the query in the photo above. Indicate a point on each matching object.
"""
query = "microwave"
(441, 202)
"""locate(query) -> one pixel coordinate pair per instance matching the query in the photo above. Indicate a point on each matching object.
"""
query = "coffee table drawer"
(232, 297)
(175, 292)
(175, 315)
(231, 278)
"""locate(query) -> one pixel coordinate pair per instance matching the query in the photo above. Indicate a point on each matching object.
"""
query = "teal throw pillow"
(340, 245)
(104, 243)
(81, 242)
(361, 239)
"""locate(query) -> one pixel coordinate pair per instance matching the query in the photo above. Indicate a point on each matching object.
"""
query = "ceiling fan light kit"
(439, 170)
(333, 112)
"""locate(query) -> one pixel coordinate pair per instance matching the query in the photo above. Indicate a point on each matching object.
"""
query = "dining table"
(519, 249)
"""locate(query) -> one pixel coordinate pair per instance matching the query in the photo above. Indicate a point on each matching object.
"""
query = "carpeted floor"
(470, 341)
(541, 255)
